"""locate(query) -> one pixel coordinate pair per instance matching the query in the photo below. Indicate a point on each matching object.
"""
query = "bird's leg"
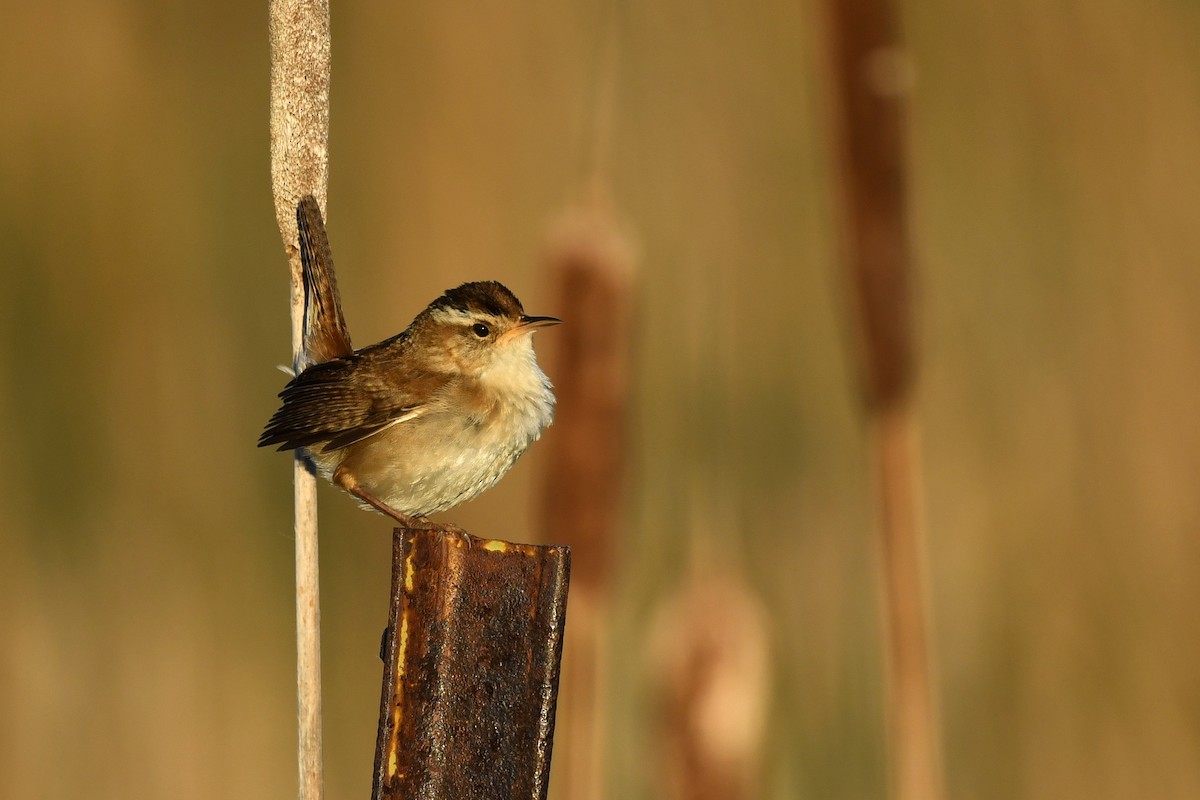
(346, 481)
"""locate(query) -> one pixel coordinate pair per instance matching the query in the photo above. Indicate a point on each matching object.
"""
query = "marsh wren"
(425, 420)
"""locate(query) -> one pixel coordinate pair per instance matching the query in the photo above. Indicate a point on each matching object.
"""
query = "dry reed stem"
(299, 36)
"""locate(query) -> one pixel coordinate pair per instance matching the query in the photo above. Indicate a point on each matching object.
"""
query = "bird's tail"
(325, 333)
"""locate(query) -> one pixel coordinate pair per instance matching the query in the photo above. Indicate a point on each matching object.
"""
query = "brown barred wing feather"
(325, 408)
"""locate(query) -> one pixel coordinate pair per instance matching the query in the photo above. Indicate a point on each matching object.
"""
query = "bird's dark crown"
(488, 297)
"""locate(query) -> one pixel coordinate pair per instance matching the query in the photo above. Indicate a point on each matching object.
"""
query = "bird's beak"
(537, 322)
(528, 325)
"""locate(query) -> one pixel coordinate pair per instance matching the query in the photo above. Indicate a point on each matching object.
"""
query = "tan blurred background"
(146, 615)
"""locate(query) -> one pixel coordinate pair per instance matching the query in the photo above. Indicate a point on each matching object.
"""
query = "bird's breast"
(459, 448)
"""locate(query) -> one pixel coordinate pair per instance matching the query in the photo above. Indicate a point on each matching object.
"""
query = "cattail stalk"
(299, 36)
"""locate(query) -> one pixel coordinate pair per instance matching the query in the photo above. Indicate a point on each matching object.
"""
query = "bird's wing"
(333, 405)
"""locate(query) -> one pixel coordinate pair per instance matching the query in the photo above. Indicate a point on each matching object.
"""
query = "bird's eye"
(480, 330)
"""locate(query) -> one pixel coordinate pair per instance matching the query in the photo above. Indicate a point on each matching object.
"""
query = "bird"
(425, 420)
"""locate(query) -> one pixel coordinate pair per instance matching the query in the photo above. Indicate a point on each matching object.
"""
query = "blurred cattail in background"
(710, 672)
(590, 263)
(870, 78)
(590, 260)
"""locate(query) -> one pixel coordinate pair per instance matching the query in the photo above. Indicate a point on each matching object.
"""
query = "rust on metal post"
(471, 665)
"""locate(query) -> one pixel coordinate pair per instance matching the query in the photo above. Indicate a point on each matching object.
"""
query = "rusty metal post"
(471, 665)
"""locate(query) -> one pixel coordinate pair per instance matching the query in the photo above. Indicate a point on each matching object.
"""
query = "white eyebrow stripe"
(457, 315)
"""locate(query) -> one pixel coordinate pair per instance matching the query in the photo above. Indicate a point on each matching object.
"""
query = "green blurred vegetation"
(145, 555)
